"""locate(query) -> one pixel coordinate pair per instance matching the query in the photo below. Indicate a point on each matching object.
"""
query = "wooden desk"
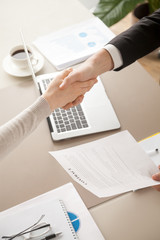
(29, 170)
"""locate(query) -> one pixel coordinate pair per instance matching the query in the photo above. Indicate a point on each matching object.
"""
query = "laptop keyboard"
(67, 120)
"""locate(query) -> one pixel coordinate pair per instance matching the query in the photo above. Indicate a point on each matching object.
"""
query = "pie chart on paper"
(74, 220)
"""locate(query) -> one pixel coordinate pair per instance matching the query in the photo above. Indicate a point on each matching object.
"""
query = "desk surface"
(29, 170)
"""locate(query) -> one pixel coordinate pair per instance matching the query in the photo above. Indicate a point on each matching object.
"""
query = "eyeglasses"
(34, 231)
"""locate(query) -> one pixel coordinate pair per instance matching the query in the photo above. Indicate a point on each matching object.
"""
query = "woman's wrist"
(49, 100)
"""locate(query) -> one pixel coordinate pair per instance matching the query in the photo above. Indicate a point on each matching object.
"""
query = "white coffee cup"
(19, 57)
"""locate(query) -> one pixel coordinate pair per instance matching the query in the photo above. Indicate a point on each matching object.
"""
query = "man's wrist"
(115, 54)
(101, 62)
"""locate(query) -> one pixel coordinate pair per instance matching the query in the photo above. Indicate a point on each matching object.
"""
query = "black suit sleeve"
(139, 40)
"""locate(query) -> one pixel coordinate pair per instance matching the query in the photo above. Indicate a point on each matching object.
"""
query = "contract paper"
(109, 166)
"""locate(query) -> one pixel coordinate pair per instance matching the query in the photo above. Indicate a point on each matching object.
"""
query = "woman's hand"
(57, 97)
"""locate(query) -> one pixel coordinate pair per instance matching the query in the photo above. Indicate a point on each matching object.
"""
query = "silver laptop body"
(94, 114)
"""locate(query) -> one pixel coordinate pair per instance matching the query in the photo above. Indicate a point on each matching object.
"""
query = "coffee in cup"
(20, 54)
(19, 57)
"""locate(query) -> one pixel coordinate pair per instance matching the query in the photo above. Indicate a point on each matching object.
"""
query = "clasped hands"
(68, 96)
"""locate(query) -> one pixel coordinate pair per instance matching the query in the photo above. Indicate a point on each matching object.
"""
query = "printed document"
(74, 44)
(109, 166)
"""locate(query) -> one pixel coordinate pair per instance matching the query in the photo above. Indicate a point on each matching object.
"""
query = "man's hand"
(89, 70)
(157, 178)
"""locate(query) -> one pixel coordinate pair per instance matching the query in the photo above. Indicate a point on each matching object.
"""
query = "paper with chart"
(74, 44)
(108, 166)
(53, 212)
(81, 219)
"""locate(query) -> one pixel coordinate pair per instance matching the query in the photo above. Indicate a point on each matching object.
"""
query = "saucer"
(15, 71)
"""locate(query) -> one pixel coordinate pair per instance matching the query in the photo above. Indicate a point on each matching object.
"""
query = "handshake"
(63, 92)
(68, 89)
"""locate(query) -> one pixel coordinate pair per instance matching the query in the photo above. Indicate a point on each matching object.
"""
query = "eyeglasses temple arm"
(24, 231)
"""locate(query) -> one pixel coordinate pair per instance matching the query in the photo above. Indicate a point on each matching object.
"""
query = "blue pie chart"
(83, 34)
(91, 44)
(74, 220)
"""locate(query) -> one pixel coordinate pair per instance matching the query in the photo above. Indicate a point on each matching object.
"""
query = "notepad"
(74, 44)
(55, 214)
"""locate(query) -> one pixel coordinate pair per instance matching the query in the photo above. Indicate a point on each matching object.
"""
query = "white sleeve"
(115, 54)
(14, 131)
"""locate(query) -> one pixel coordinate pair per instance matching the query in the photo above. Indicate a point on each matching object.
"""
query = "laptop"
(95, 114)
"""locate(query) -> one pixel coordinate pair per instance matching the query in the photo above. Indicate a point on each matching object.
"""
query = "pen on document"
(156, 150)
(51, 236)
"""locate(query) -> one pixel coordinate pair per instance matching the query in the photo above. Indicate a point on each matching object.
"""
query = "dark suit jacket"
(139, 40)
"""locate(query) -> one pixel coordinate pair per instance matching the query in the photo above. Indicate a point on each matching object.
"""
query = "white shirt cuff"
(115, 54)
